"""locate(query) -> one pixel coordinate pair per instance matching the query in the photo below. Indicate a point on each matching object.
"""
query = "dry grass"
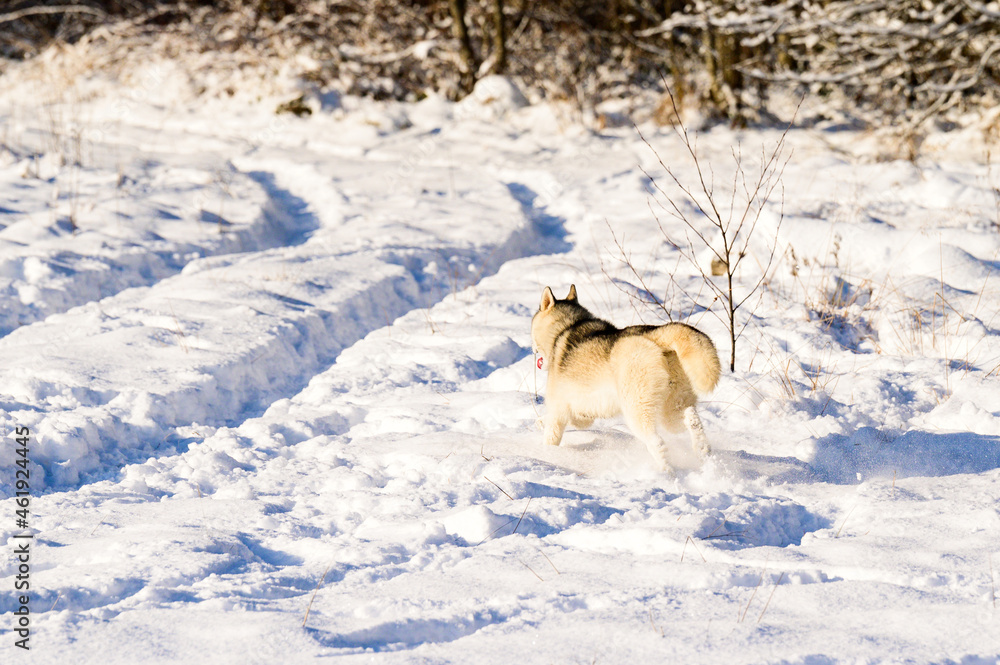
(847, 517)
(315, 591)
(760, 580)
(884, 316)
(684, 549)
(770, 597)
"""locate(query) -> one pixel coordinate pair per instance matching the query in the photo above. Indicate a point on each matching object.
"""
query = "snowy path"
(61, 249)
(231, 334)
(324, 444)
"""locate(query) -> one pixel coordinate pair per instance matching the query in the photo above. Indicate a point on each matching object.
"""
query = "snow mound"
(474, 525)
(493, 97)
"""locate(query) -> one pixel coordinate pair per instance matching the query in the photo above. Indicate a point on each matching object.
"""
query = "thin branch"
(10, 17)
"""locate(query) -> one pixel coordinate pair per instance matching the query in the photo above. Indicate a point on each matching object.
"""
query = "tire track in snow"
(409, 633)
(222, 559)
(154, 225)
(111, 382)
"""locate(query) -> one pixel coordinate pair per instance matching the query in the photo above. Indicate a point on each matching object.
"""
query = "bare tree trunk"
(784, 57)
(499, 39)
(722, 53)
(461, 33)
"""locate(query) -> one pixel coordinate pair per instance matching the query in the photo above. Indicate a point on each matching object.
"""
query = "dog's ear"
(572, 292)
(548, 300)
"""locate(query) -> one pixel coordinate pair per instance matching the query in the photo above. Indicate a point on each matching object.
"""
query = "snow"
(283, 404)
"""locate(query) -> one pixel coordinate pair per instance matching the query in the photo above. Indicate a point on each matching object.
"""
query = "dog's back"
(590, 340)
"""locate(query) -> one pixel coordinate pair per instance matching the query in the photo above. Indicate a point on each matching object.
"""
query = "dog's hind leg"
(642, 383)
(698, 439)
(641, 419)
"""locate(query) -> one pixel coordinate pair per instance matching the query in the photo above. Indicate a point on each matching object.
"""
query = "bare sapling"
(723, 223)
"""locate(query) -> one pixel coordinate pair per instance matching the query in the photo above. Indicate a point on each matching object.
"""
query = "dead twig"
(768, 603)
(315, 591)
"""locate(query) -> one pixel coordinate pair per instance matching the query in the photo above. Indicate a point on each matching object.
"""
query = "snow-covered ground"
(282, 400)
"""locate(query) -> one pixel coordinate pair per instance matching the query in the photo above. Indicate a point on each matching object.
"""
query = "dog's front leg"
(555, 425)
(658, 450)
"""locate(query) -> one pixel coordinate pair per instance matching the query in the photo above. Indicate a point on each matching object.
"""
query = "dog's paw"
(663, 466)
(658, 451)
(703, 449)
(552, 437)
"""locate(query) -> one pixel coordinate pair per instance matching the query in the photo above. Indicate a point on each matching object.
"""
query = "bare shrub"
(722, 222)
(900, 64)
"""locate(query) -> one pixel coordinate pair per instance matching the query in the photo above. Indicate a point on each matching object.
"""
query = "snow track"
(62, 248)
(231, 334)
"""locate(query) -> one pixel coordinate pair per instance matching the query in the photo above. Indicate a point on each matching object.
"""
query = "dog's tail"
(695, 351)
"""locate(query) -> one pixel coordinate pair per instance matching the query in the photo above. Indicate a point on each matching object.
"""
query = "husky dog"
(648, 373)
